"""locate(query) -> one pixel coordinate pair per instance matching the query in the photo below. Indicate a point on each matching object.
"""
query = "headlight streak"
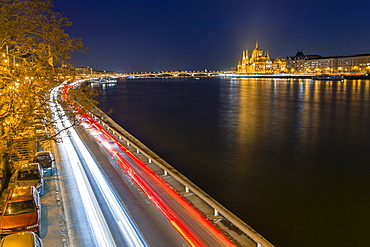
(101, 230)
(125, 157)
(127, 227)
(95, 216)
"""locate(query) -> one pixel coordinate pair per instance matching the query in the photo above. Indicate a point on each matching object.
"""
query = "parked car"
(47, 162)
(21, 212)
(21, 239)
(30, 174)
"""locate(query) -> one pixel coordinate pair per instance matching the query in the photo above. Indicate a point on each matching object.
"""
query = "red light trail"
(145, 179)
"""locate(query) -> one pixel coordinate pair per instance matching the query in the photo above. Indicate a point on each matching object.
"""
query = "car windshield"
(28, 175)
(22, 207)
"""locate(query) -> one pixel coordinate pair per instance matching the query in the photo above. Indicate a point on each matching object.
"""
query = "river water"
(291, 157)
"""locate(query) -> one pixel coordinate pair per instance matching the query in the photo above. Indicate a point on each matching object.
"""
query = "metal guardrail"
(107, 122)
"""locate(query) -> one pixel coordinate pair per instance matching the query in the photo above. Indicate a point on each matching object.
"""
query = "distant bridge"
(172, 74)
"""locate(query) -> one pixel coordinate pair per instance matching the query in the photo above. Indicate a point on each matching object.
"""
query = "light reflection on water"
(290, 157)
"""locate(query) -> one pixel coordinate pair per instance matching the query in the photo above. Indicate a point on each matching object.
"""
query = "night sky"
(157, 35)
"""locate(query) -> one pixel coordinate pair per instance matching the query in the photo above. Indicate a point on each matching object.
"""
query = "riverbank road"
(69, 220)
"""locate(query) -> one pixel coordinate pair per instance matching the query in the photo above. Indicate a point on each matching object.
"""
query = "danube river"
(289, 157)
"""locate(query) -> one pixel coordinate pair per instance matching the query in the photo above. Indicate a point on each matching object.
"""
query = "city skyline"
(135, 36)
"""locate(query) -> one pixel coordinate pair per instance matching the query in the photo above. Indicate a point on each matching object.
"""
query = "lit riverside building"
(301, 63)
(260, 63)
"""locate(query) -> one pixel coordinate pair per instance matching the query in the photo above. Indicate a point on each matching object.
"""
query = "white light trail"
(127, 227)
(99, 226)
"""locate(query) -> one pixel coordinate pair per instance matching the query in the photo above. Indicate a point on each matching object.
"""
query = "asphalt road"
(193, 226)
(156, 229)
(92, 203)
(98, 186)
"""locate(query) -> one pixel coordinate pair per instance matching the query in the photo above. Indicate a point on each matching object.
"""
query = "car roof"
(21, 193)
(19, 239)
(43, 153)
(29, 166)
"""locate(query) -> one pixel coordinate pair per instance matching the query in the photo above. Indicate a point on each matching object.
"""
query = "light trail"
(128, 161)
(128, 229)
(95, 216)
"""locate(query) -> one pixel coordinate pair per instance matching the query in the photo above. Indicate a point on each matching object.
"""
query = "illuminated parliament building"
(260, 63)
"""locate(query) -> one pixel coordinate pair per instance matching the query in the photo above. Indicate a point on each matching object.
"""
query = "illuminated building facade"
(301, 63)
(259, 63)
(84, 71)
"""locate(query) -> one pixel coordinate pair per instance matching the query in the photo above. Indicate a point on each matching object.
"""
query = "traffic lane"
(76, 138)
(187, 215)
(76, 221)
(155, 228)
(109, 217)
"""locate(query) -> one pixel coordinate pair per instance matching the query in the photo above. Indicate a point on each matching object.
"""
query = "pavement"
(54, 230)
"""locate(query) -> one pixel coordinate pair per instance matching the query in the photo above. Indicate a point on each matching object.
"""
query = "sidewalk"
(53, 222)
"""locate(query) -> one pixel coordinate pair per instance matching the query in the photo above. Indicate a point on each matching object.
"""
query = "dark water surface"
(289, 157)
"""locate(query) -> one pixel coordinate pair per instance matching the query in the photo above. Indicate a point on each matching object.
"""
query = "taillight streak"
(145, 186)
